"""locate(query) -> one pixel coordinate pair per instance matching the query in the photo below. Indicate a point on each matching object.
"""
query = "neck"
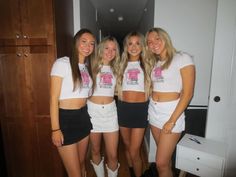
(81, 59)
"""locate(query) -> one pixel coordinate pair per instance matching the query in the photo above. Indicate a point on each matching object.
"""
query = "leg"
(165, 148)
(95, 141)
(82, 147)
(126, 136)
(97, 161)
(70, 158)
(137, 135)
(111, 145)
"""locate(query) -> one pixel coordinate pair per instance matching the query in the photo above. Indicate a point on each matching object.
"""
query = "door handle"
(217, 99)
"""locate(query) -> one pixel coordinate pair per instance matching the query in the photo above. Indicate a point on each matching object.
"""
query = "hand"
(57, 138)
(168, 126)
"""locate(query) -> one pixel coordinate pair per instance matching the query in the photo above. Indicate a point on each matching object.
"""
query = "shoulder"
(183, 59)
(60, 66)
(62, 61)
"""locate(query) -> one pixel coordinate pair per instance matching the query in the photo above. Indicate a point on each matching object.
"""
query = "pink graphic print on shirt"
(85, 78)
(132, 76)
(157, 74)
(105, 80)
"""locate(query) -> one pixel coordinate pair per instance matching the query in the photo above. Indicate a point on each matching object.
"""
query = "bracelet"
(56, 130)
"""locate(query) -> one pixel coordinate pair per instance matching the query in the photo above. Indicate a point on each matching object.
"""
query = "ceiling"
(110, 21)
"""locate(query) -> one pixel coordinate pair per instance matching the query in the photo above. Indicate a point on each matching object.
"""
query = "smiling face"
(134, 48)
(109, 52)
(156, 44)
(85, 45)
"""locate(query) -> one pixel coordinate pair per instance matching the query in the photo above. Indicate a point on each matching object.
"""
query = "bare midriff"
(133, 96)
(165, 96)
(101, 99)
(73, 103)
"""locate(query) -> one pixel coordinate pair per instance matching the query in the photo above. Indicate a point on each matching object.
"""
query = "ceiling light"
(120, 18)
(112, 10)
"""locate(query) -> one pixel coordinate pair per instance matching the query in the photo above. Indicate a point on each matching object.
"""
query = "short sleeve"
(59, 68)
(185, 60)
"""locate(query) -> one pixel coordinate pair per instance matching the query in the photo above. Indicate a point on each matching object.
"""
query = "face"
(85, 45)
(134, 48)
(156, 44)
(109, 52)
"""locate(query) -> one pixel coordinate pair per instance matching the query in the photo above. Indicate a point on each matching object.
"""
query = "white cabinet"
(200, 156)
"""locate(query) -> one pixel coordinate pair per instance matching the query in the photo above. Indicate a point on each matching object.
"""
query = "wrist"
(171, 122)
(55, 130)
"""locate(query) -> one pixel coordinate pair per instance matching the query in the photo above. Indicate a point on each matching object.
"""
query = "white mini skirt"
(159, 113)
(103, 117)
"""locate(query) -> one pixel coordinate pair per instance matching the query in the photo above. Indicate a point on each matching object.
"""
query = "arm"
(188, 80)
(57, 136)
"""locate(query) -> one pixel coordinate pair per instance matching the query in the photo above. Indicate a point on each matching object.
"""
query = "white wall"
(191, 26)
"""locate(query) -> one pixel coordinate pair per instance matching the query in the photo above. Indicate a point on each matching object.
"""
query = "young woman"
(173, 77)
(70, 87)
(102, 108)
(133, 91)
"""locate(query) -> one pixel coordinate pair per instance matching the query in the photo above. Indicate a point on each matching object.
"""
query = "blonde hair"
(170, 50)
(98, 62)
(144, 62)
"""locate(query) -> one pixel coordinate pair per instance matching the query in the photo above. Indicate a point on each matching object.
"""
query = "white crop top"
(133, 79)
(62, 68)
(170, 80)
(105, 82)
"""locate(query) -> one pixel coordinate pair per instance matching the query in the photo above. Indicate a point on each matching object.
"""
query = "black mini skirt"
(132, 115)
(75, 124)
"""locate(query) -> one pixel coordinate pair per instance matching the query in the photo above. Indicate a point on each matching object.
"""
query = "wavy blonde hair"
(144, 63)
(170, 50)
(98, 62)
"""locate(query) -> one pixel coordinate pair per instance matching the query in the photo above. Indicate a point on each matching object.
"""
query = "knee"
(162, 165)
(95, 151)
(134, 154)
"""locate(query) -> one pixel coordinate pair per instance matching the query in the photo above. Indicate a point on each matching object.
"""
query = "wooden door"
(17, 127)
(10, 18)
(26, 22)
(24, 76)
(40, 60)
(37, 22)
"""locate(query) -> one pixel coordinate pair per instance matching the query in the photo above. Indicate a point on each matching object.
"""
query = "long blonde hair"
(144, 63)
(170, 50)
(98, 62)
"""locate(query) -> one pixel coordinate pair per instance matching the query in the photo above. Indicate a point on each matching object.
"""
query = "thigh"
(126, 135)
(136, 140)
(166, 146)
(111, 142)
(155, 133)
(95, 140)
(70, 158)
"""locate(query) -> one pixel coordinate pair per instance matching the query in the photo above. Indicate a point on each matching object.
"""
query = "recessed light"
(112, 10)
(120, 18)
